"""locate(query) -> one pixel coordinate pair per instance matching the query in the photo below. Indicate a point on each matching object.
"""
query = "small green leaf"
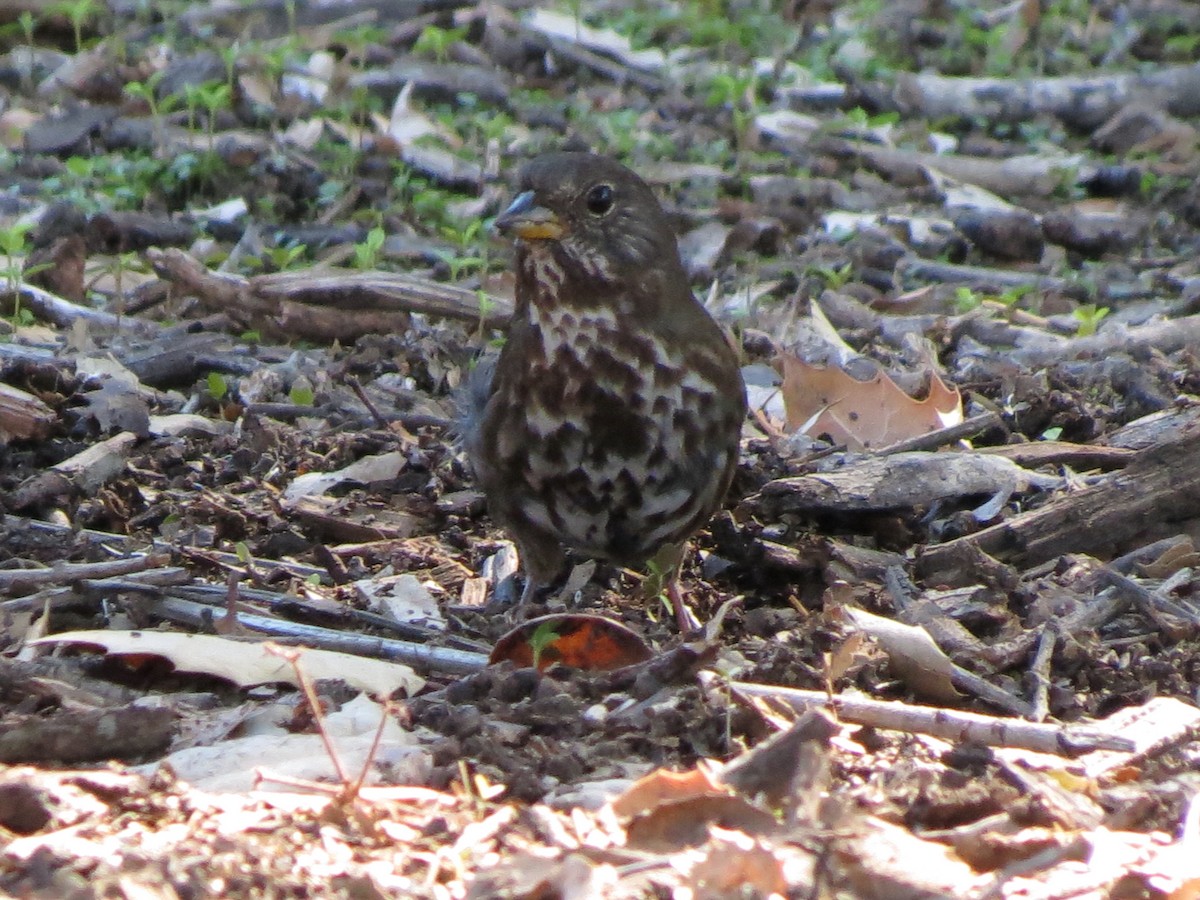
(217, 387)
(243, 553)
(301, 394)
(543, 636)
(966, 299)
(366, 254)
(1089, 316)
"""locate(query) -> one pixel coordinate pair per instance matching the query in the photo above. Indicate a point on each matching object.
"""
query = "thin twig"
(933, 439)
(357, 387)
(1039, 670)
(953, 725)
(292, 657)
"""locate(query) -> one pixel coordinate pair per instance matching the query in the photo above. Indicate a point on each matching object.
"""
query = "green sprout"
(28, 25)
(79, 12)
(146, 90)
(438, 41)
(739, 94)
(832, 278)
(543, 636)
(966, 299)
(367, 253)
(217, 386)
(13, 246)
(213, 96)
(280, 257)
(1089, 316)
(302, 393)
(461, 260)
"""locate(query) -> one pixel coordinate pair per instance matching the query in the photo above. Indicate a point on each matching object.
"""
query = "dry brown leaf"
(734, 864)
(849, 652)
(662, 786)
(1021, 27)
(862, 414)
(677, 824)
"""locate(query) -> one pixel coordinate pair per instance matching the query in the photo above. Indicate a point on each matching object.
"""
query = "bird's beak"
(528, 221)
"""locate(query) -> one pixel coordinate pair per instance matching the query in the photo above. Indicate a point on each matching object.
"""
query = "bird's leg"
(544, 562)
(663, 579)
(684, 617)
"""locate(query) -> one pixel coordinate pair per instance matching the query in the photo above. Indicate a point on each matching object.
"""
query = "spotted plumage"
(610, 424)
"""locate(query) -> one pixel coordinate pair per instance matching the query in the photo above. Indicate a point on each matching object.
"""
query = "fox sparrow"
(610, 423)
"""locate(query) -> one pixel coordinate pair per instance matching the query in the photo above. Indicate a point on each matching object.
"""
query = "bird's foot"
(684, 617)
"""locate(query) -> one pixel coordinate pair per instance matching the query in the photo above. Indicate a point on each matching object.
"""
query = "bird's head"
(597, 219)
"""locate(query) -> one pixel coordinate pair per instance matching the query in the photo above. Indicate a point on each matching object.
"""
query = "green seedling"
(368, 252)
(13, 246)
(966, 299)
(147, 90)
(462, 261)
(543, 636)
(301, 394)
(737, 92)
(437, 41)
(217, 386)
(356, 41)
(280, 258)
(1089, 316)
(832, 278)
(79, 12)
(28, 25)
(213, 96)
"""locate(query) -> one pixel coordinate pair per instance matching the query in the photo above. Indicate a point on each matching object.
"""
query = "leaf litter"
(246, 276)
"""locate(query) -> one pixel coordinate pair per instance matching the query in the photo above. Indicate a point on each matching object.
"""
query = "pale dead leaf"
(406, 124)
(247, 664)
(256, 89)
(354, 135)
(402, 598)
(14, 123)
(568, 28)
(230, 764)
(862, 414)
(1173, 559)
(187, 424)
(304, 133)
(368, 470)
(35, 334)
(914, 656)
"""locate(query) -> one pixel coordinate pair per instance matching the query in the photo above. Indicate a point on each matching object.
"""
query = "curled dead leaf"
(825, 400)
(572, 639)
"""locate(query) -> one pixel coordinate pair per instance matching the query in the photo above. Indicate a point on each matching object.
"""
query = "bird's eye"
(600, 199)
